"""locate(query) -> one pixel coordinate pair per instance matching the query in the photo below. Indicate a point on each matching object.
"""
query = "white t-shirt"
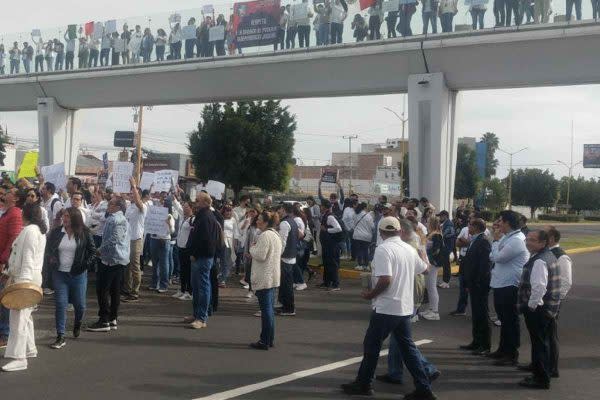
(300, 224)
(136, 219)
(401, 262)
(464, 234)
(66, 252)
(348, 218)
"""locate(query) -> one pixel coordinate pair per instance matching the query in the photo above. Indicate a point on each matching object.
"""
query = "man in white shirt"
(394, 266)
(136, 216)
(51, 202)
(565, 268)
(539, 301)
(289, 232)
(331, 235)
(76, 201)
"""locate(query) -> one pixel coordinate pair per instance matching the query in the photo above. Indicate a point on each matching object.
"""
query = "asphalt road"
(152, 356)
(572, 230)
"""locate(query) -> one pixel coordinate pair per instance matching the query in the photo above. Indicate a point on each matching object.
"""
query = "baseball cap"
(388, 205)
(389, 224)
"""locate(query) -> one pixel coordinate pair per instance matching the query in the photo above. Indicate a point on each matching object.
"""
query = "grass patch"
(580, 241)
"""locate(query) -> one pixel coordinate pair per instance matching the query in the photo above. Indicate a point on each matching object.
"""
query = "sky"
(537, 118)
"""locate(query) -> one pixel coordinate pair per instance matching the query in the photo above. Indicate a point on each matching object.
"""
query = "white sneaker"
(243, 282)
(15, 365)
(301, 286)
(359, 268)
(414, 318)
(48, 292)
(185, 296)
(430, 315)
(249, 295)
(443, 285)
(258, 314)
(246, 287)
(178, 294)
(278, 305)
(70, 307)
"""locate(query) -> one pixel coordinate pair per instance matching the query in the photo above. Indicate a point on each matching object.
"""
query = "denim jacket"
(115, 240)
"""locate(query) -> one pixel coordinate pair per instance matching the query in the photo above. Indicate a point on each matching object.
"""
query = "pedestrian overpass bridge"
(432, 69)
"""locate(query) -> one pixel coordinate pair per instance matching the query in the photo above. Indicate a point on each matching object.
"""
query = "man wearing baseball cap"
(393, 272)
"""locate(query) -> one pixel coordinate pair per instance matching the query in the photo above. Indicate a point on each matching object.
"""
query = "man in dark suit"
(476, 267)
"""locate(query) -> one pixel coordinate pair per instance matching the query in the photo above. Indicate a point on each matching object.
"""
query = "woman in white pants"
(25, 265)
(435, 253)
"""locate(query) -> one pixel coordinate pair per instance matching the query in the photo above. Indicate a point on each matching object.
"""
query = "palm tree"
(491, 163)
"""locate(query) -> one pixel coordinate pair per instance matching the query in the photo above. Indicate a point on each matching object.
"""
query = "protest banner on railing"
(256, 22)
(216, 33)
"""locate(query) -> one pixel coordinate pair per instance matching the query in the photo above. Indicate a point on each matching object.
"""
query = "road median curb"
(352, 274)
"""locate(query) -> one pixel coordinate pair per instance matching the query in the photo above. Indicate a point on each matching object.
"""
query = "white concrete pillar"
(432, 139)
(58, 137)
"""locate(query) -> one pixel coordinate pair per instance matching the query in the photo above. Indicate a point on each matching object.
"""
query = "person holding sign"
(136, 215)
(190, 41)
(175, 38)
(220, 43)
(70, 50)
(160, 246)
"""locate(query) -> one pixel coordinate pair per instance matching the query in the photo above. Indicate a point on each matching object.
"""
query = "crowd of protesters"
(326, 19)
(57, 239)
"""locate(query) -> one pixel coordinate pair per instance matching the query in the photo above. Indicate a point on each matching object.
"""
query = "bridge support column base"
(432, 139)
(58, 138)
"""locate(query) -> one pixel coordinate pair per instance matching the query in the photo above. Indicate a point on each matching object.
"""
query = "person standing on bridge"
(2, 59)
(126, 37)
(190, 43)
(512, 7)
(394, 267)
(14, 55)
(324, 13)
(477, 15)
(304, 25)
(339, 13)
(70, 51)
(39, 53)
(161, 43)
(59, 49)
(375, 19)
(542, 10)
(430, 14)
(447, 10)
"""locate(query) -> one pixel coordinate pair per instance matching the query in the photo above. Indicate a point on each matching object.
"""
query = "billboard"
(591, 156)
(255, 23)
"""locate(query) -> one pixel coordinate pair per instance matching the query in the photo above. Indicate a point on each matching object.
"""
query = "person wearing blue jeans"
(201, 288)
(206, 239)
(69, 288)
(159, 248)
(477, 15)
(569, 6)
(266, 301)
(395, 370)
(595, 9)
(392, 299)
(429, 13)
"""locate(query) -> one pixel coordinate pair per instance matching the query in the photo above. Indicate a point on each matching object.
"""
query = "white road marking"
(229, 394)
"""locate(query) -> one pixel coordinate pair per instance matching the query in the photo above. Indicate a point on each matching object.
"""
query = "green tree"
(534, 188)
(465, 184)
(496, 194)
(492, 142)
(585, 194)
(244, 144)
(3, 141)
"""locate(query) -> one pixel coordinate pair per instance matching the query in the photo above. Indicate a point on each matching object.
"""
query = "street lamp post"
(404, 121)
(510, 174)
(350, 138)
(570, 167)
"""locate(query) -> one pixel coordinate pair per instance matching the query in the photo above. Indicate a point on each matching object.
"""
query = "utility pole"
(404, 120)
(570, 166)
(138, 169)
(350, 138)
(510, 174)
